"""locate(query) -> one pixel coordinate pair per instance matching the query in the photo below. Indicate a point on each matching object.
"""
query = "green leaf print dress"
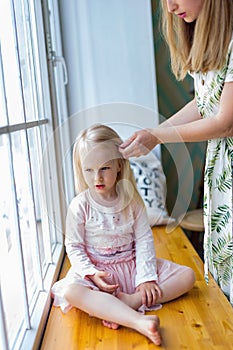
(218, 238)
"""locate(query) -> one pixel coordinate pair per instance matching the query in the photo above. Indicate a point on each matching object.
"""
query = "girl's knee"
(189, 277)
(71, 291)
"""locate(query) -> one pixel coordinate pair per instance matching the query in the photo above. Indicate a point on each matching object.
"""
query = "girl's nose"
(98, 176)
(171, 5)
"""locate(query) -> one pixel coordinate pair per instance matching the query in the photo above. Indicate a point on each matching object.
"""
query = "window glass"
(3, 118)
(11, 76)
(26, 211)
(27, 58)
(12, 287)
(41, 215)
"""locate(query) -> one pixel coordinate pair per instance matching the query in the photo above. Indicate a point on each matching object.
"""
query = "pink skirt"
(121, 273)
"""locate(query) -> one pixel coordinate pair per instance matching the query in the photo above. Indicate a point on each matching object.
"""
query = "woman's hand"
(150, 293)
(140, 143)
(99, 278)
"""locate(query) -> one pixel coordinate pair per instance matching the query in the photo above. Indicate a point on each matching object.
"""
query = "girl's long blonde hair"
(86, 141)
(200, 46)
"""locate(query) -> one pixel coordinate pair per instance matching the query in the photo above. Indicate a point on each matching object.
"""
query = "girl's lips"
(182, 15)
(99, 186)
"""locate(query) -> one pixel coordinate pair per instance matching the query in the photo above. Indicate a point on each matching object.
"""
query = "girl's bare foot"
(149, 326)
(146, 325)
(110, 325)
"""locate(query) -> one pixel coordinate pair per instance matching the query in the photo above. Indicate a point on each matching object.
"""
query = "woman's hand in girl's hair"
(99, 279)
(150, 293)
(140, 143)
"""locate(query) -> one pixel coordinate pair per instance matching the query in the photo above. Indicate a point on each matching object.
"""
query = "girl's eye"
(105, 168)
(88, 170)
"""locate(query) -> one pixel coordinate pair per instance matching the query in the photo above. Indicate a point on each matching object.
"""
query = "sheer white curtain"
(108, 47)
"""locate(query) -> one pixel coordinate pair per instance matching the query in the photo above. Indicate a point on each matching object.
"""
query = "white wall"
(108, 48)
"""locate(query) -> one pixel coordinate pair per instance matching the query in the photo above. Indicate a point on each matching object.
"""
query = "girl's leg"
(173, 287)
(177, 285)
(108, 307)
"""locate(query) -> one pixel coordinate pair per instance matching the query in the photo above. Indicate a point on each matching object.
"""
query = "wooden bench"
(201, 320)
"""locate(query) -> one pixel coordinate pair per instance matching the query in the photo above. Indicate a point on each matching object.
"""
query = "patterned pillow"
(151, 183)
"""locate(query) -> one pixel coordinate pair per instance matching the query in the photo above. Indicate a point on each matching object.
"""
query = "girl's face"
(188, 10)
(100, 169)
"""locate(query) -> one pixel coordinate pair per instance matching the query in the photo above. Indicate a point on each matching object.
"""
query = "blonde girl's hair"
(85, 142)
(202, 45)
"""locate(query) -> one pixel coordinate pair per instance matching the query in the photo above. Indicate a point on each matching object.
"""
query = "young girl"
(199, 35)
(114, 271)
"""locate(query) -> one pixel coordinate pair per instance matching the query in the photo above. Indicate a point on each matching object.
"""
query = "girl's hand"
(99, 279)
(140, 143)
(150, 292)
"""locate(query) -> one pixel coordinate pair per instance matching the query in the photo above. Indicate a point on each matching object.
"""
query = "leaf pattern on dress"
(218, 178)
(220, 218)
(224, 181)
(223, 249)
(222, 252)
(208, 175)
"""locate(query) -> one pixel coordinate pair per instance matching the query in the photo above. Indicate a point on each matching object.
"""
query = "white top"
(109, 232)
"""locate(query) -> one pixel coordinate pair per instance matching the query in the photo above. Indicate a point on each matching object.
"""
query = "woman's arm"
(187, 114)
(143, 141)
(218, 126)
(185, 126)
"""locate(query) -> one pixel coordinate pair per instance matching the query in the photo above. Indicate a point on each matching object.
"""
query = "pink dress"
(116, 239)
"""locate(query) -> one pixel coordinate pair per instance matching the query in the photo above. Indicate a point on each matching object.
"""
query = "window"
(31, 215)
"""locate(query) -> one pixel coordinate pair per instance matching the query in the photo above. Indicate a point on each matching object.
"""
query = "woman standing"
(199, 36)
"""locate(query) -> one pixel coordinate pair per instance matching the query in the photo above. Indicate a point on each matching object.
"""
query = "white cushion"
(151, 183)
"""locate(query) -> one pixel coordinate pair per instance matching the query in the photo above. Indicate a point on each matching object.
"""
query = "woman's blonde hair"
(202, 45)
(106, 136)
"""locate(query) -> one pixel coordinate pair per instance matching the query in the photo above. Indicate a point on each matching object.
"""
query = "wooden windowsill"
(200, 320)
